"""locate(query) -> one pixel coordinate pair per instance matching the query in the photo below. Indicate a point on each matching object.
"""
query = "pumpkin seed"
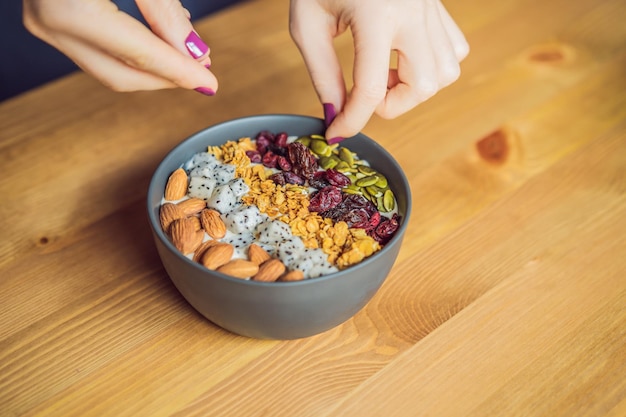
(374, 191)
(367, 181)
(346, 155)
(318, 137)
(328, 162)
(319, 147)
(382, 181)
(380, 204)
(364, 169)
(349, 190)
(342, 167)
(352, 177)
(305, 140)
(389, 201)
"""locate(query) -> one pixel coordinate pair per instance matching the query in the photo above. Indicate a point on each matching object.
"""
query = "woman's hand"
(428, 43)
(120, 51)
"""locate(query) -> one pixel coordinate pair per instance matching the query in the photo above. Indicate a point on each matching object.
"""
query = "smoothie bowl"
(269, 232)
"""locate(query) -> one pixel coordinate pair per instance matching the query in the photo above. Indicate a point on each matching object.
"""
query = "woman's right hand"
(120, 51)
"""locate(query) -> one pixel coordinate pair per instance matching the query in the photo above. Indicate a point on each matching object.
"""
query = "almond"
(167, 214)
(217, 255)
(295, 275)
(213, 223)
(196, 222)
(270, 271)
(257, 254)
(197, 255)
(192, 206)
(239, 268)
(176, 187)
(185, 236)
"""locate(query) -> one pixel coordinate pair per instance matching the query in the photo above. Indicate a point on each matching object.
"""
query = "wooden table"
(509, 294)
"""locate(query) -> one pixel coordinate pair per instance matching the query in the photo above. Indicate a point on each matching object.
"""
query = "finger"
(126, 39)
(108, 70)
(169, 20)
(448, 69)
(459, 43)
(415, 79)
(372, 45)
(312, 31)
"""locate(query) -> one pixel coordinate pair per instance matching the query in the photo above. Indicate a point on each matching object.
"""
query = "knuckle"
(370, 94)
(462, 50)
(295, 31)
(388, 113)
(425, 89)
(449, 74)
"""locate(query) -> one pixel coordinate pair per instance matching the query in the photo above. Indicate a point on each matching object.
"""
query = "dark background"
(26, 61)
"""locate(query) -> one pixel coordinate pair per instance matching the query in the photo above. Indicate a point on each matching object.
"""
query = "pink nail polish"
(329, 113)
(205, 91)
(196, 47)
(332, 141)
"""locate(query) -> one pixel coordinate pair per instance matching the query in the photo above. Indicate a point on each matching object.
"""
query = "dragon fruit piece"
(239, 240)
(223, 199)
(239, 187)
(224, 173)
(289, 250)
(200, 162)
(322, 269)
(314, 263)
(201, 187)
(304, 264)
(269, 248)
(243, 219)
(273, 231)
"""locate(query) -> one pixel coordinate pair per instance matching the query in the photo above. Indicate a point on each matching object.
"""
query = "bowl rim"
(160, 234)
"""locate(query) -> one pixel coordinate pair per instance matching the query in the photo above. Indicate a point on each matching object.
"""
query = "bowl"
(277, 310)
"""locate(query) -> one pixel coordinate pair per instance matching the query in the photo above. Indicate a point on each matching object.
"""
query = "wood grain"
(508, 296)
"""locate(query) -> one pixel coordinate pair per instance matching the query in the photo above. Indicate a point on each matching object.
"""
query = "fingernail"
(196, 47)
(329, 113)
(332, 141)
(205, 91)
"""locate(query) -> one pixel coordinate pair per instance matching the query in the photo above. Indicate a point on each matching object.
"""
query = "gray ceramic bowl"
(280, 310)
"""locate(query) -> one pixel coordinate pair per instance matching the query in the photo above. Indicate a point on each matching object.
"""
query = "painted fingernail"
(205, 91)
(332, 141)
(329, 113)
(196, 47)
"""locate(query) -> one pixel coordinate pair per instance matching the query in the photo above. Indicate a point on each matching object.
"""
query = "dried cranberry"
(278, 178)
(283, 163)
(352, 201)
(270, 159)
(303, 162)
(374, 221)
(386, 229)
(292, 178)
(280, 140)
(265, 134)
(318, 180)
(325, 199)
(262, 144)
(336, 178)
(358, 218)
(255, 156)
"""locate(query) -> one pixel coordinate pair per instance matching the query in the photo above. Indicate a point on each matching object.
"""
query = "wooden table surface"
(509, 294)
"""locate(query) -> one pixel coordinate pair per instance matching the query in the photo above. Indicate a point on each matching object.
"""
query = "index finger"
(132, 43)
